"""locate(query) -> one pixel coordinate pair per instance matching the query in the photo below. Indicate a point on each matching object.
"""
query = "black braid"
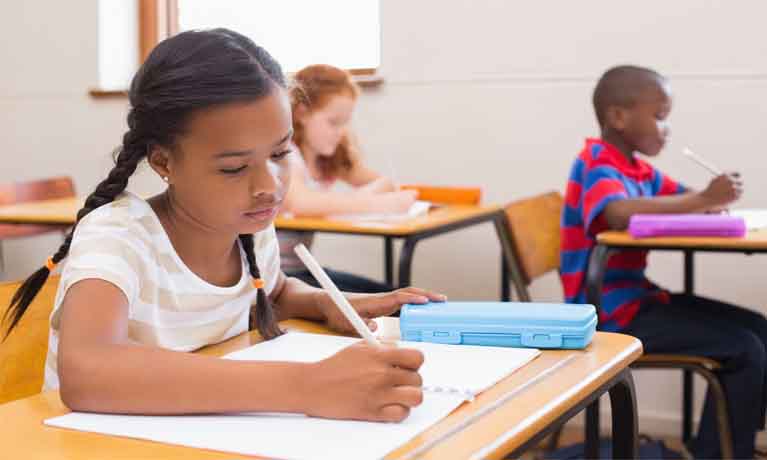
(126, 162)
(188, 72)
(262, 314)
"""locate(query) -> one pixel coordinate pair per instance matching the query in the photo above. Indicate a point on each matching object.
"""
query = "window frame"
(158, 19)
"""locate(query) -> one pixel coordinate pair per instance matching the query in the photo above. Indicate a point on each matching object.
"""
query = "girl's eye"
(280, 155)
(234, 171)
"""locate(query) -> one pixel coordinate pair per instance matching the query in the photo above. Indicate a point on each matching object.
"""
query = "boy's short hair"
(621, 86)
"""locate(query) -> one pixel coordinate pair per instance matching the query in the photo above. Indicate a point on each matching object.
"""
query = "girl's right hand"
(723, 190)
(365, 383)
(395, 202)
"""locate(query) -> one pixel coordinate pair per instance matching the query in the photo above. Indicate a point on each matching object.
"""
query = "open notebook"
(450, 371)
(756, 219)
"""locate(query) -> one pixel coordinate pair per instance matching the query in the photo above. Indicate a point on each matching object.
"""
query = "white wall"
(487, 92)
(497, 93)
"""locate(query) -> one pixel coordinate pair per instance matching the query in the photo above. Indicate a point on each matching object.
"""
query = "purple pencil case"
(647, 225)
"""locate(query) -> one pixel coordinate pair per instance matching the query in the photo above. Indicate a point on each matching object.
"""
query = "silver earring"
(165, 178)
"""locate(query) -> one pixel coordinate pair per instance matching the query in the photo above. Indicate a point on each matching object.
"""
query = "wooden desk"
(607, 242)
(439, 221)
(754, 242)
(538, 407)
(49, 212)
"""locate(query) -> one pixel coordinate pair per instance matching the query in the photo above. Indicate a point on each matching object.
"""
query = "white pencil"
(691, 155)
(346, 308)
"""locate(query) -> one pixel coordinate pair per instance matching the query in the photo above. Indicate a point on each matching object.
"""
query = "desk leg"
(624, 417)
(591, 444)
(389, 260)
(510, 262)
(689, 272)
(688, 386)
(595, 275)
(406, 262)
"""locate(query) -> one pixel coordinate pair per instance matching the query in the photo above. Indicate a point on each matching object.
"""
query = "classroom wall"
(488, 92)
(498, 93)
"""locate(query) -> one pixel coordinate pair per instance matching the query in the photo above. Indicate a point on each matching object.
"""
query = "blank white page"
(756, 219)
(418, 208)
(281, 436)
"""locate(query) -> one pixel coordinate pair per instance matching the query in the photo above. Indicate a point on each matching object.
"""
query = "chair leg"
(722, 414)
(688, 392)
(715, 386)
(591, 447)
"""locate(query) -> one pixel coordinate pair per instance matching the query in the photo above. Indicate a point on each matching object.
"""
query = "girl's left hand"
(371, 306)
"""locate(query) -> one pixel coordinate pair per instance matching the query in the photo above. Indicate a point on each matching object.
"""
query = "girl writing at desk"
(326, 153)
(146, 281)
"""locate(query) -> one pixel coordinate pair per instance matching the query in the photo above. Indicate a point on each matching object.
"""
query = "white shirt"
(124, 243)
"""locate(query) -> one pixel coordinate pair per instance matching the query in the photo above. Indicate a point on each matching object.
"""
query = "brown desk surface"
(755, 240)
(508, 427)
(63, 211)
(60, 211)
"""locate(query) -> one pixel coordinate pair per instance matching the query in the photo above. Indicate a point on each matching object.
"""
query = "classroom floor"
(573, 434)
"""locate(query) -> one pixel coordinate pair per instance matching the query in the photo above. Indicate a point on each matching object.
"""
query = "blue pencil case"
(500, 324)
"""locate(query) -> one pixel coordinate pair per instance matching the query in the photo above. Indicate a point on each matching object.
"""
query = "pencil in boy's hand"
(704, 163)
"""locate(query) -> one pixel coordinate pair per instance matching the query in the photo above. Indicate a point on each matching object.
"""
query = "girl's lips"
(261, 214)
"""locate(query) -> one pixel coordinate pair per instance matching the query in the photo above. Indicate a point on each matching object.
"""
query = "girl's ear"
(159, 159)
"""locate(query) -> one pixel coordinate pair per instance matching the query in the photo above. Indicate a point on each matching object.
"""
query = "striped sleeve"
(602, 185)
(662, 184)
(103, 248)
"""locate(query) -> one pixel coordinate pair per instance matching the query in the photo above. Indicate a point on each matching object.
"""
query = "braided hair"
(188, 72)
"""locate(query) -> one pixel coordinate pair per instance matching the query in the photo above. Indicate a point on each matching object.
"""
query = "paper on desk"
(298, 437)
(418, 208)
(755, 218)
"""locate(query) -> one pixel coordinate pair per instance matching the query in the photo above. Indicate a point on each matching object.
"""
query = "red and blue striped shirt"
(602, 174)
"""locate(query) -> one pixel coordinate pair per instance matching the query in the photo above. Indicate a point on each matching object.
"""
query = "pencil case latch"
(541, 340)
(436, 336)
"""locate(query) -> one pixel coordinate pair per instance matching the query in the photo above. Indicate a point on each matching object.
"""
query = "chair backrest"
(534, 225)
(44, 189)
(22, 354)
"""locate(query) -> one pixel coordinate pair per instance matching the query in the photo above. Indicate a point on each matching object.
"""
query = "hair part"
(188, 72)
(312, 88)
(622, 86)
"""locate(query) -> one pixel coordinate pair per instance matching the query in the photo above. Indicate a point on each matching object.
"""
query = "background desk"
(441, 220)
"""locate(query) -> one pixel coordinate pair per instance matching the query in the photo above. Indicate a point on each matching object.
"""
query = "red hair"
(313, 87)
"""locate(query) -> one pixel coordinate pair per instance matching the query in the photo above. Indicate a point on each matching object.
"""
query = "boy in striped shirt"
(608, 184)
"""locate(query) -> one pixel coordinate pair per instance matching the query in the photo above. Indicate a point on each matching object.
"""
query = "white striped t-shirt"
(124, 243)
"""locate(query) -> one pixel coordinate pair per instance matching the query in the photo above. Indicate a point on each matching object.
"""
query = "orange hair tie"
(50, 264)
(258, 283)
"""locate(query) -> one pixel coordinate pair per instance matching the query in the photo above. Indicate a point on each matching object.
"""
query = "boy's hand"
(723, 190)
